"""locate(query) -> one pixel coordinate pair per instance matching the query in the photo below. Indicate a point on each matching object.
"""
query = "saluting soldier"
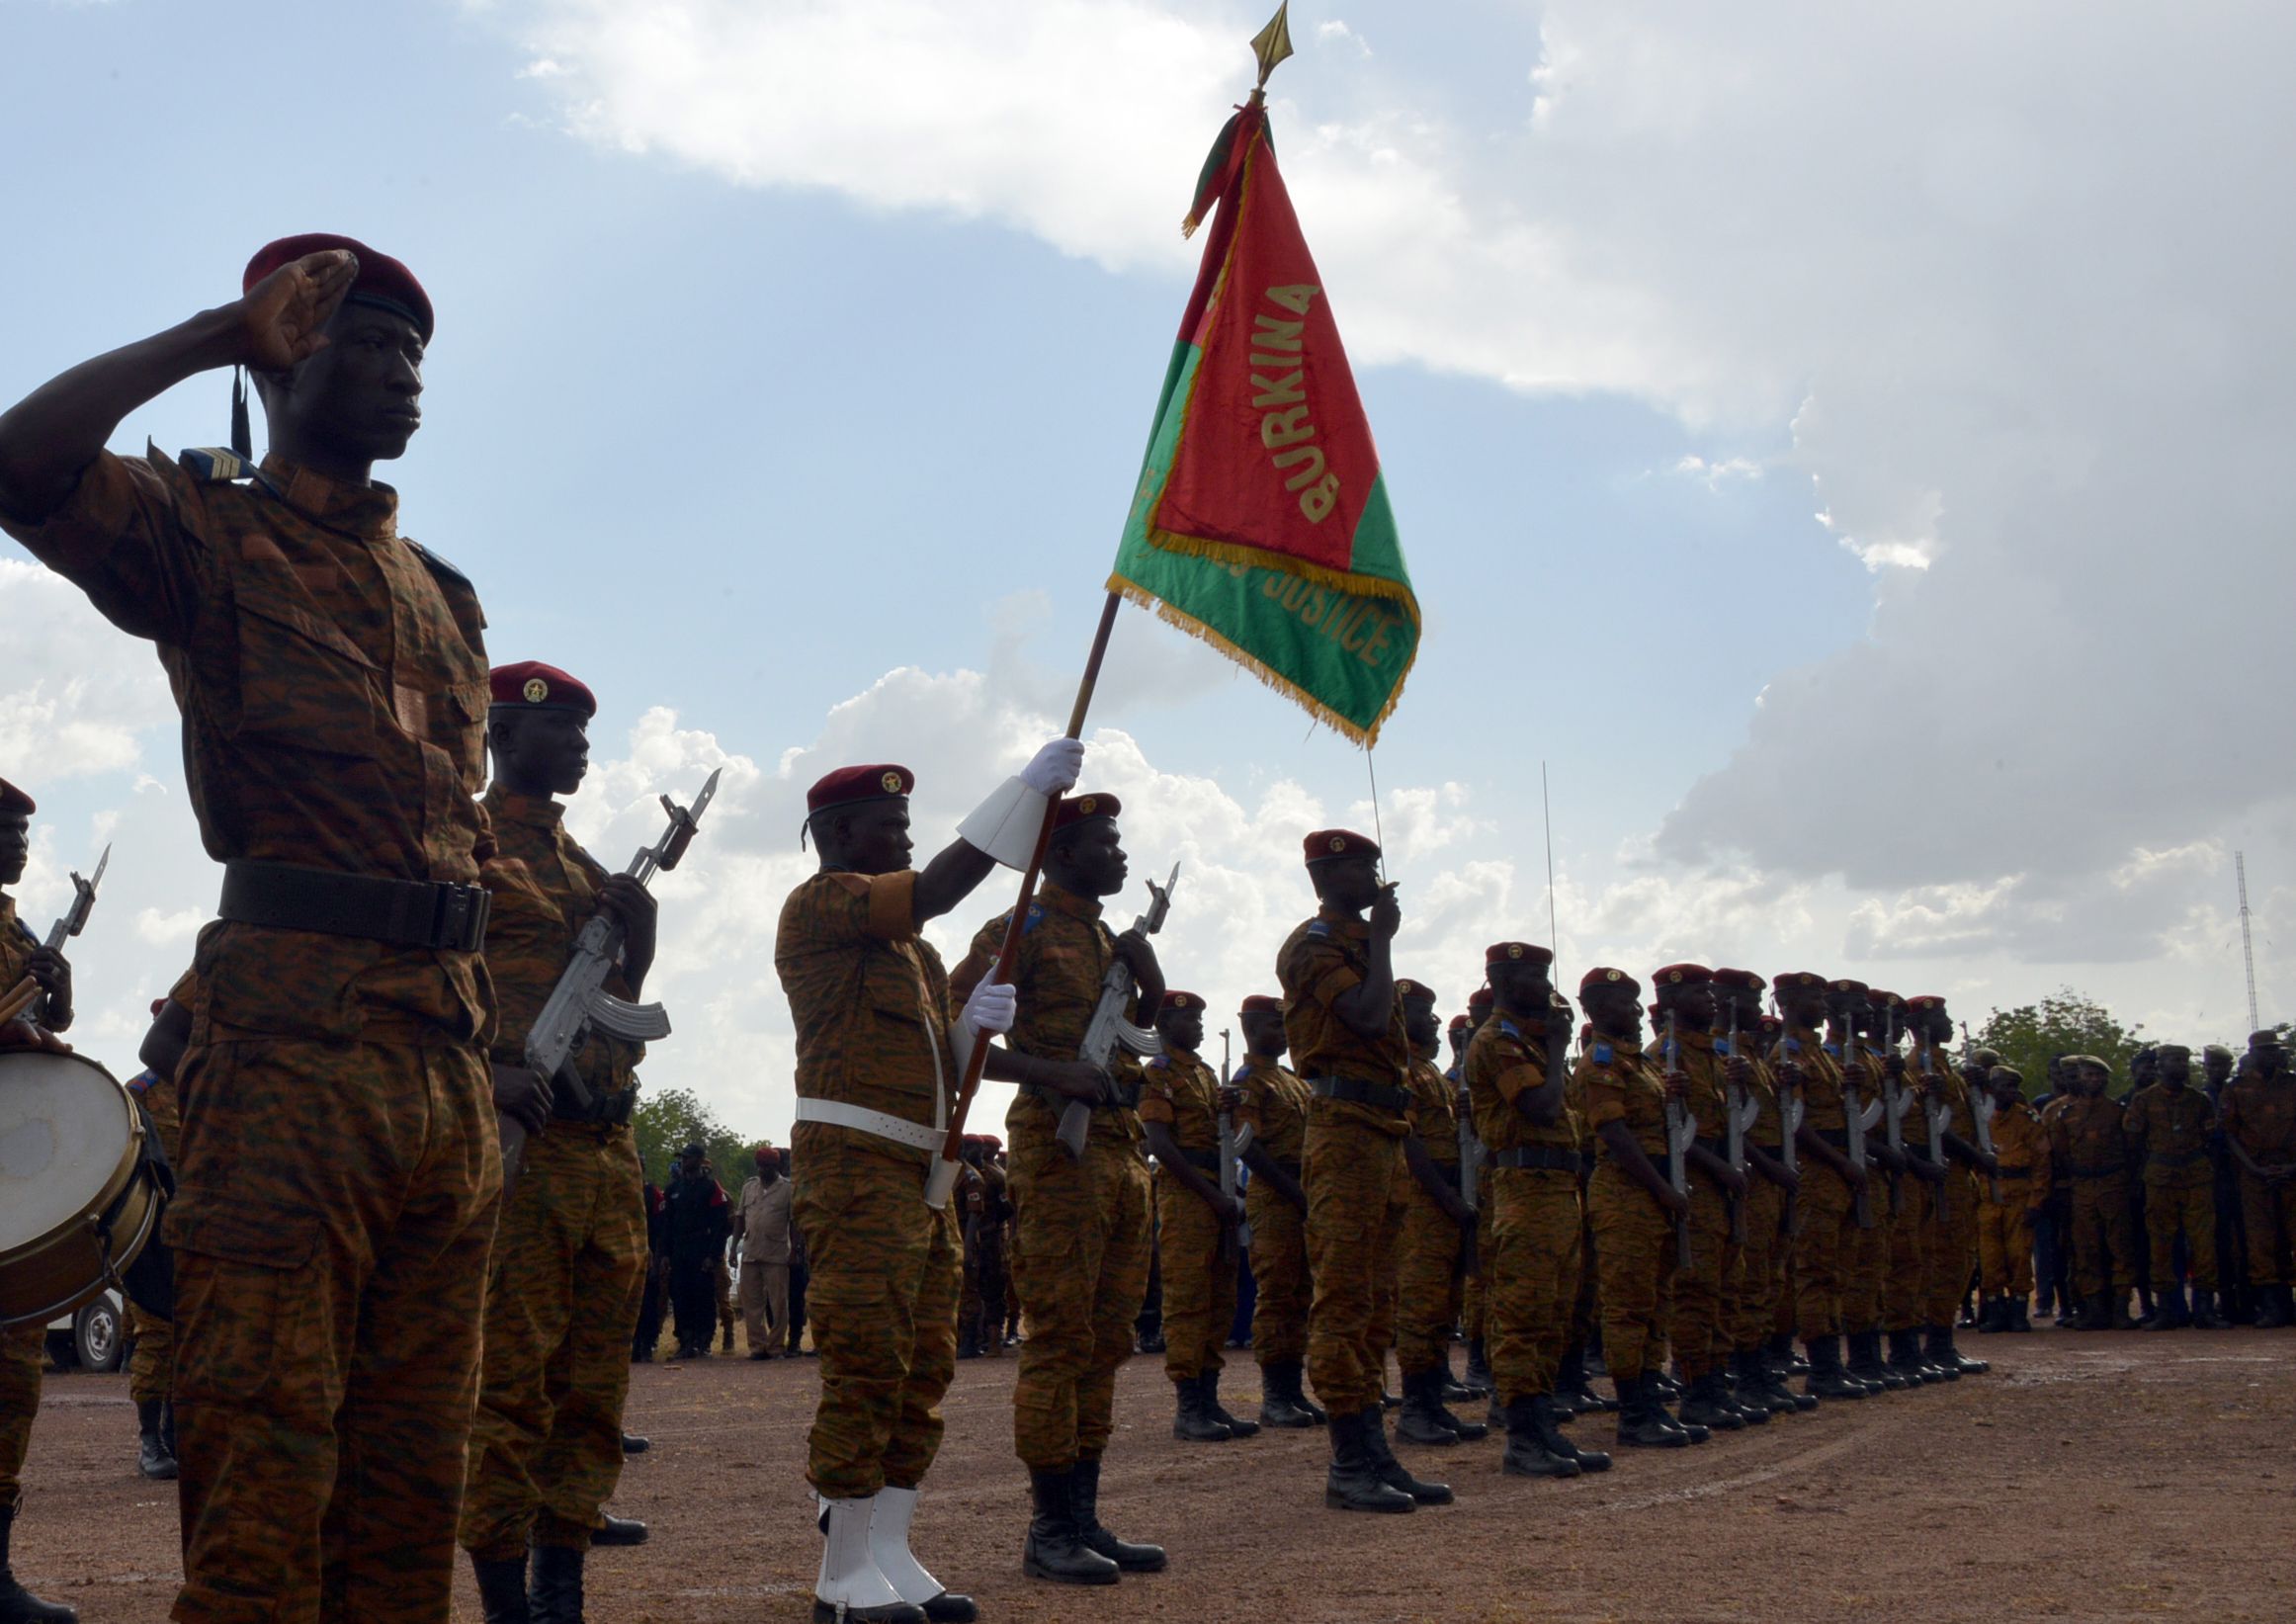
(570, 1254)
(1180, 1102)
(1081, 1234)
(1825, 1253)
(1704, 1292)
(1762, 1255)
(1273, 1103)
(2258, 1108)
(880, 1061)
(22, 1346)
(1346, 1028)
(2168, 1125)
(1435, 1227)
(337, 1111)
(2092, 1151)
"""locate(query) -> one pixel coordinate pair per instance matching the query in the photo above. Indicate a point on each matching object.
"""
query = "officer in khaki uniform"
(2092, 1151)
(1081, 1232)
(879, 1059)
(22, 1347)
(1434, 1230)
(2168, 1124)
(2011, 1202)
(2259, 1111)
(1180, 1102)
(1825, 1252)
(1273, 1103)
(1346, 1028)
(762, 1230)
(570, 1253)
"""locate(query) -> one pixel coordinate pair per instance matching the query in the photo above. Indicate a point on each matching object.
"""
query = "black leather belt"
(607, 1110)
(1204, 1161)
(2184, 1161)
(2098, 1172)
(420, 913)
(1547, 1158)
(1127, 1098)
(1353, 1091)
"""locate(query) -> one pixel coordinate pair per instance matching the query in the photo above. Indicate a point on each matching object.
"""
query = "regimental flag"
(1261, 523)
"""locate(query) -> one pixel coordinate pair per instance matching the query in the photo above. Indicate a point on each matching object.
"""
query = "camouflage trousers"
(882, 1294)
(2104, 1237)
(2190, 1211)
(1583, 1302)
(331, 1226)
(980, 1304)
(1952, 1249)
(1352, 1173)
(2004, 1240)
(1279, 1267)
(1390, 1297)
(569, 1266)
(1866, 1261)
(1471, 1294)
(2270, 1213)
(1536, 1228)
(151, 1367)
(1761, 1265)
(1200, 1277)
(1079, 1267)
(1906, 1284)
(1427, 1283)
(1823, 1252)
(1705, 1292)
(1634, 1260)
(21, 1353)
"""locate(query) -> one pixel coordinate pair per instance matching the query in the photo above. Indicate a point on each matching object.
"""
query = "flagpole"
(1008, 954)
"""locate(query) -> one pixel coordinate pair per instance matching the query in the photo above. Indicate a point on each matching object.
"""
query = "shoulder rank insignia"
(1793, 1046)
(1319, 927)
(438, 566)
(1833, 1049)
(1507, 1029)
(1157, 1063)
(214, 464)
(1603, 1054)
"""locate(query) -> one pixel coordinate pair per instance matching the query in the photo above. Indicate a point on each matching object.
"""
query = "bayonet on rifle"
(1110, 1031)
(1681, 1133)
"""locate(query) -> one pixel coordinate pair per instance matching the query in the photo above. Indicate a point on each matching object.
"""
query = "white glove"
(1056, 767)
(991, 1007)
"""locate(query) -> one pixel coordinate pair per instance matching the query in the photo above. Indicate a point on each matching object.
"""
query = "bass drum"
(78, 1200)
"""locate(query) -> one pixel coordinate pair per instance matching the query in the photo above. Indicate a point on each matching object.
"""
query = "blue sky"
(769, 364)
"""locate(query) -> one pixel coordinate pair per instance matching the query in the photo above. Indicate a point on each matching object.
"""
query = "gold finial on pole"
(1271, 46)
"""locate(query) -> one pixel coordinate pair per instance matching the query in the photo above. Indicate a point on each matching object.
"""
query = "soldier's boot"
(2168, 1311)
(1424, 1394)
(555, 1591)
(2204, 1314)
(1707, 1406)
(1281, 1403)
(1573, 1388)
(1548, 1416)
(1056, 1547)
(1528, 1453)
(2270, 1313)
(1084, 1493)
(19, 1605)
(2020, 1314)
(501, 1589)
(1865, 1363)
(1238, 1426)
(1665, 1387)
(614, 1530)
(2107, 1314)
(888, 1548)
(1828, 1379)
(1641, 1422)
(1479, 1366)
(1756, 1386)
(153, 1458)
(968, 1347)
(1944, 1352)
(1192, 1420)
(1393, 1473)
(1691, 1430)
(1353, 1483)
(1905, 1358)
(1740, 1394)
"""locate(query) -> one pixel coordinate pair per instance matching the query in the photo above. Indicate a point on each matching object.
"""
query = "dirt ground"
(2092, 1477)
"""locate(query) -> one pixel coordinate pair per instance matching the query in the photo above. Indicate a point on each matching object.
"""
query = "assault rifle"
(1681, 1134)
(74, 919)
(1791, 1110)
(1109, 1030)
(1898, 1102)
(1856, 1118)
(1981, 1110)
(1234, 1141)
(1939, 1116)
(1739, 1107)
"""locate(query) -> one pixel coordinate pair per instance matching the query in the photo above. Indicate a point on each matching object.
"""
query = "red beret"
(1771, 1025)
(1083, 809)
(532, 685)
(1739, 981)
(1481, 999)
(1928, 1001)
(14, 803)
(1847, 984)
(1516, 952)
(1604, 976)
(1875, 994)
(1180, 1000)
(1682, 974)
(1259, 1003)
(1326, 844)
(1456, 1021)
(157, 1004)
(993, 1142)
(1406, 988)
(380, 281)
(1803, 979)
(850, 786)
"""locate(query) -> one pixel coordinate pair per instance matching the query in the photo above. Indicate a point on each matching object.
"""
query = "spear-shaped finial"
(1271, 46)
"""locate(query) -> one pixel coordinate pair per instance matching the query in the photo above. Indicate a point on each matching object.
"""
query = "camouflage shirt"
(1434, 1113)
(1621, 1083)
(332, 680)
(1693, 1055)
(2261, 1117)
(1181, 1091)
(1822, 1083)
(2087, 1137)
(17, 945)
(1319, 962)
(2169, 1129)
(1506, 1059)
(1275, 1103)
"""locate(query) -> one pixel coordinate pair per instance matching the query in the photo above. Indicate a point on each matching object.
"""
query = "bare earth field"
(2091, 1477)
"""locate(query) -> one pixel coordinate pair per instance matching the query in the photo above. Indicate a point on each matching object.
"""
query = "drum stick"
(18, 999)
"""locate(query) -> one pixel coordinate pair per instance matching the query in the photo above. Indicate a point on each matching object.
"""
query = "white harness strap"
(884, 1125)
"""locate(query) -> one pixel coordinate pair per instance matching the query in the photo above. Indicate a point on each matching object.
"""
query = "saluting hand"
(283, 318)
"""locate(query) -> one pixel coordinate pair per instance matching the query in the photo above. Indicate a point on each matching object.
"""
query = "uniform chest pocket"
(301, 681)
(891, 994)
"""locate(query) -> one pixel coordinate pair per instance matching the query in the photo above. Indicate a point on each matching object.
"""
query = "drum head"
(64, 1124)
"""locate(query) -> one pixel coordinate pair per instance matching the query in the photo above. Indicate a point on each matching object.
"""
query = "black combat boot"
(1640, 1421)
(1478, 1366)
(554, 1594)
(1906, 1358)
(1548, 1415)
(1573, 1388)
(1865, 1363)
(1706, 1404)
(1084, 1498)
(2271, 1310)
(1528, 1452)
(1056, 1547)
(1238, 1426)
(19, 1605)
(1192, 1420)
(1785, 1361)
(1281, 1403)
(1423, 1395)
(2169, 1311)
(1744, 1398)
(1951, 1359)
(1755, 1386)
(1828, 1378)
(1393, 1472)
(502, 1589)
(153, 1458)
(1354, 1483)
(614, 1530)
(2020, 1314)
(2204, 1314)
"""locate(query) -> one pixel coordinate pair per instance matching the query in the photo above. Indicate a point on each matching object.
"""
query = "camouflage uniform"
(1633, 1238)
(570, 1256)
(869, 1001)
(1275, 1106)
(2261, 1118)
(23, 1348)
(2168, 1129)
(339, 1174)
(1079, 1249)
(2005, 1225)
(2091, 1148)
(1904, 1280)
(1704, 1293)
(1827, 1249)
(1354, 1159)
(1427, 1279)
(1953, 1259)
(1866, 1250)
(1199, 1268)
(1531, 1279)
(1762, 1255)
(150, 1365)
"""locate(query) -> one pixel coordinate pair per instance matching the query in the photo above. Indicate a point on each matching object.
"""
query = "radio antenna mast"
(2239, 867)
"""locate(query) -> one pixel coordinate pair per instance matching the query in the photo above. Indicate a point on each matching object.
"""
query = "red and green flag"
(1260, 522)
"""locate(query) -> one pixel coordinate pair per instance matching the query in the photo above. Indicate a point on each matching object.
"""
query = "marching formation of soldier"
(399, 1077)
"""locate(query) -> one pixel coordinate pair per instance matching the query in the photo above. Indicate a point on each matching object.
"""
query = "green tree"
(2064, 1023)
(668, 1120)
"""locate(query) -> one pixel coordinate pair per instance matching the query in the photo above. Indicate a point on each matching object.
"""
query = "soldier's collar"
(1347, 924)
(1060, 900)
(367, 511)
(538, 811)
(1694, 1040)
